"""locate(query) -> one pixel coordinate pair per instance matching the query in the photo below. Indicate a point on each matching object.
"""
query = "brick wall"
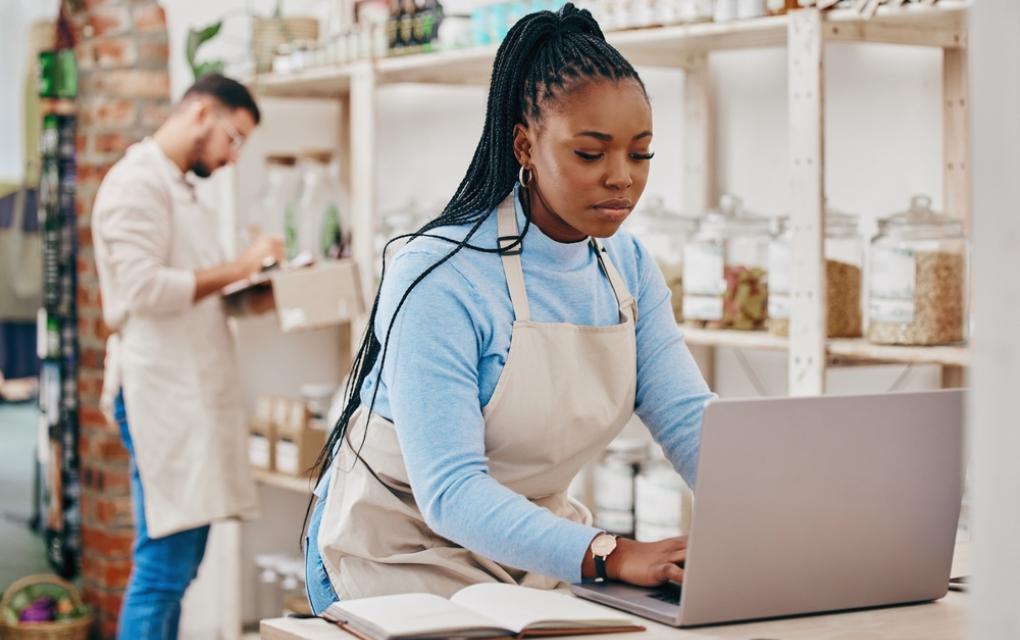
(124, 94)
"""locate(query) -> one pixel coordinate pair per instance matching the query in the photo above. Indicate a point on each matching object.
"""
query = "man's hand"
(265, 248)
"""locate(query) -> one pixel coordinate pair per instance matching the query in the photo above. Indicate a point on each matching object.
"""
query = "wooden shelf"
(761, 340)
(862, 350)
(284, 481)
(942, 25)
(846, 349)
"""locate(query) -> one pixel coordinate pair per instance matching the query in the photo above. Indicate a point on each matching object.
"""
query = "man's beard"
(199, 169)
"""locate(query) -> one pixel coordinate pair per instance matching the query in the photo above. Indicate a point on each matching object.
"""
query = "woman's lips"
(613, 213)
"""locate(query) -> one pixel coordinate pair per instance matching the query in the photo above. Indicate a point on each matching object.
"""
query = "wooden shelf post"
(807, 195)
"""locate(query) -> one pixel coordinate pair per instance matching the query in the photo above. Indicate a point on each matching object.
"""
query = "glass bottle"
(665, 233)
(321, 229)
(917, 278)
(276, 212)
(726, 269)
(844, 260)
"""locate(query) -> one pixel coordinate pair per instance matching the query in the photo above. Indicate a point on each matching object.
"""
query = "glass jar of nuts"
(917, 278)
(726, 268)
(665, 233)
(844, 259)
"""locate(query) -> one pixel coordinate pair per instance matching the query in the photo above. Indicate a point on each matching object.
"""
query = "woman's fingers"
(672, 572)
(677, 557)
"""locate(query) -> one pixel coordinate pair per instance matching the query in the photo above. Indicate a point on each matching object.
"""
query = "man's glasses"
(236, 139)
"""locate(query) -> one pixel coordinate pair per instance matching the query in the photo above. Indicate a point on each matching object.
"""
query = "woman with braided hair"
(511, 340)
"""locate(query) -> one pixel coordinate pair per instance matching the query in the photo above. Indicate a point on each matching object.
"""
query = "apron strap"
(627, 303)
(508, 234)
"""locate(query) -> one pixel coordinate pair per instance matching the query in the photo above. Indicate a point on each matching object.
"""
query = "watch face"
(603, 545)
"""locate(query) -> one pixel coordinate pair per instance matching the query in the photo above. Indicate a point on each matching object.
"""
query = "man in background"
(171, 363)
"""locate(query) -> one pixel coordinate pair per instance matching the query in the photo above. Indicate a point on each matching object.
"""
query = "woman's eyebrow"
(605, 137)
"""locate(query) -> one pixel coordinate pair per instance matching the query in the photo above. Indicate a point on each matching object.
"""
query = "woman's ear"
(522, 144)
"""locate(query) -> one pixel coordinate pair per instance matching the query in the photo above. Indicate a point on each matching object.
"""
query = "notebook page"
(408, 614)
(517, 608)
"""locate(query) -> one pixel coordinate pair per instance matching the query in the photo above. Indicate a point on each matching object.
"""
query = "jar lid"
(282, 159)
(323, 156)
(837, 223)
(920, 221)
(731, 219)
(654, 216)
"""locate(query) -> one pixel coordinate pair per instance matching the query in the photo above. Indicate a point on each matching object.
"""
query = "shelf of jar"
(283, 481)
(941, 25)
(848, 349)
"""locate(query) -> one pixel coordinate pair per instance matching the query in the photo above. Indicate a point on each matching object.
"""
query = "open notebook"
(478, 611)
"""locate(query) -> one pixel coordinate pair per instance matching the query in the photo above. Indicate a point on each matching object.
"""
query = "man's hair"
(229, 93)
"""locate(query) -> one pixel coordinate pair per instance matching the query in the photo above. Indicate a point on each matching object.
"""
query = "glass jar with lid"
(844, 259)
(662, 503)
(917, 278)
(726, 269)
(665, 233)
(614, 484)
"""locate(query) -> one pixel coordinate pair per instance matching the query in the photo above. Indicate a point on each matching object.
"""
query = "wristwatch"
(601, 547)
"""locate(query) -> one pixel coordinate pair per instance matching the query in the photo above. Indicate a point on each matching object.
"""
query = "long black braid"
(543, 55)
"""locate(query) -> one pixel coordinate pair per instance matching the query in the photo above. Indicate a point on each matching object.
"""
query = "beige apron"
(565, 392)
(181, 391)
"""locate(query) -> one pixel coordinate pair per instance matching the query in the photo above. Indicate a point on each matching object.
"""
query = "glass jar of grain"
(665, 233)
(917, 278)
(844, 260)
(726, 269)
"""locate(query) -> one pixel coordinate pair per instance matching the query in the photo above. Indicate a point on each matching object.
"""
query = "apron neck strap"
(506, 223)
(626, 302)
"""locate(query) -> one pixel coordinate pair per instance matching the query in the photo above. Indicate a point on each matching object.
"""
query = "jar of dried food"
(726, 268)
(844, 259)
(917, 278)
(779, 7)
(614, 485)
(665, 233)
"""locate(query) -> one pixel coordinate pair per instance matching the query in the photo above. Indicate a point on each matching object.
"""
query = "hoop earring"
(525, 173)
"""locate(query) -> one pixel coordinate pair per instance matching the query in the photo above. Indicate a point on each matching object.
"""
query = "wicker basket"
(269, 33)
(77, 629)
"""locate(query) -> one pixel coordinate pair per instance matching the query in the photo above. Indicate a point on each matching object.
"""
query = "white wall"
(994, 409)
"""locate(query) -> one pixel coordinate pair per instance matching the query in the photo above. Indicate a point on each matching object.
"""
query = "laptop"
(809, 505)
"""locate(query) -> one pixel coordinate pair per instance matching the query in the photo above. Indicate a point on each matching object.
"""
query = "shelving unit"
(804, 33)
(302, 486)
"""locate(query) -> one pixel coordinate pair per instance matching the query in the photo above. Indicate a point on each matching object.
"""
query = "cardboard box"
(320, 295)
(326, 294)
(262, 434)
(297, 444)
(260, 445)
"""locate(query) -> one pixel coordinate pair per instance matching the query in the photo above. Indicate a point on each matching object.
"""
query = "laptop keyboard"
(669, 595)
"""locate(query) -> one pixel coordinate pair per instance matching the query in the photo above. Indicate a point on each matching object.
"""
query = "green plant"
(196, 38)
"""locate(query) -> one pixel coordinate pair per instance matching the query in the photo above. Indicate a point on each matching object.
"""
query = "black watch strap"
(600, 569)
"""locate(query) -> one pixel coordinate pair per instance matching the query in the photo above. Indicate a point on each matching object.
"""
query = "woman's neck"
(548, 220)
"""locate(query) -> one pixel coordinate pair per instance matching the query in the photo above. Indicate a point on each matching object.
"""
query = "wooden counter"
(943, 619)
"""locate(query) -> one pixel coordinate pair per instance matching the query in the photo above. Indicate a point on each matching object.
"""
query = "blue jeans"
(320, 590)
(163, 567)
